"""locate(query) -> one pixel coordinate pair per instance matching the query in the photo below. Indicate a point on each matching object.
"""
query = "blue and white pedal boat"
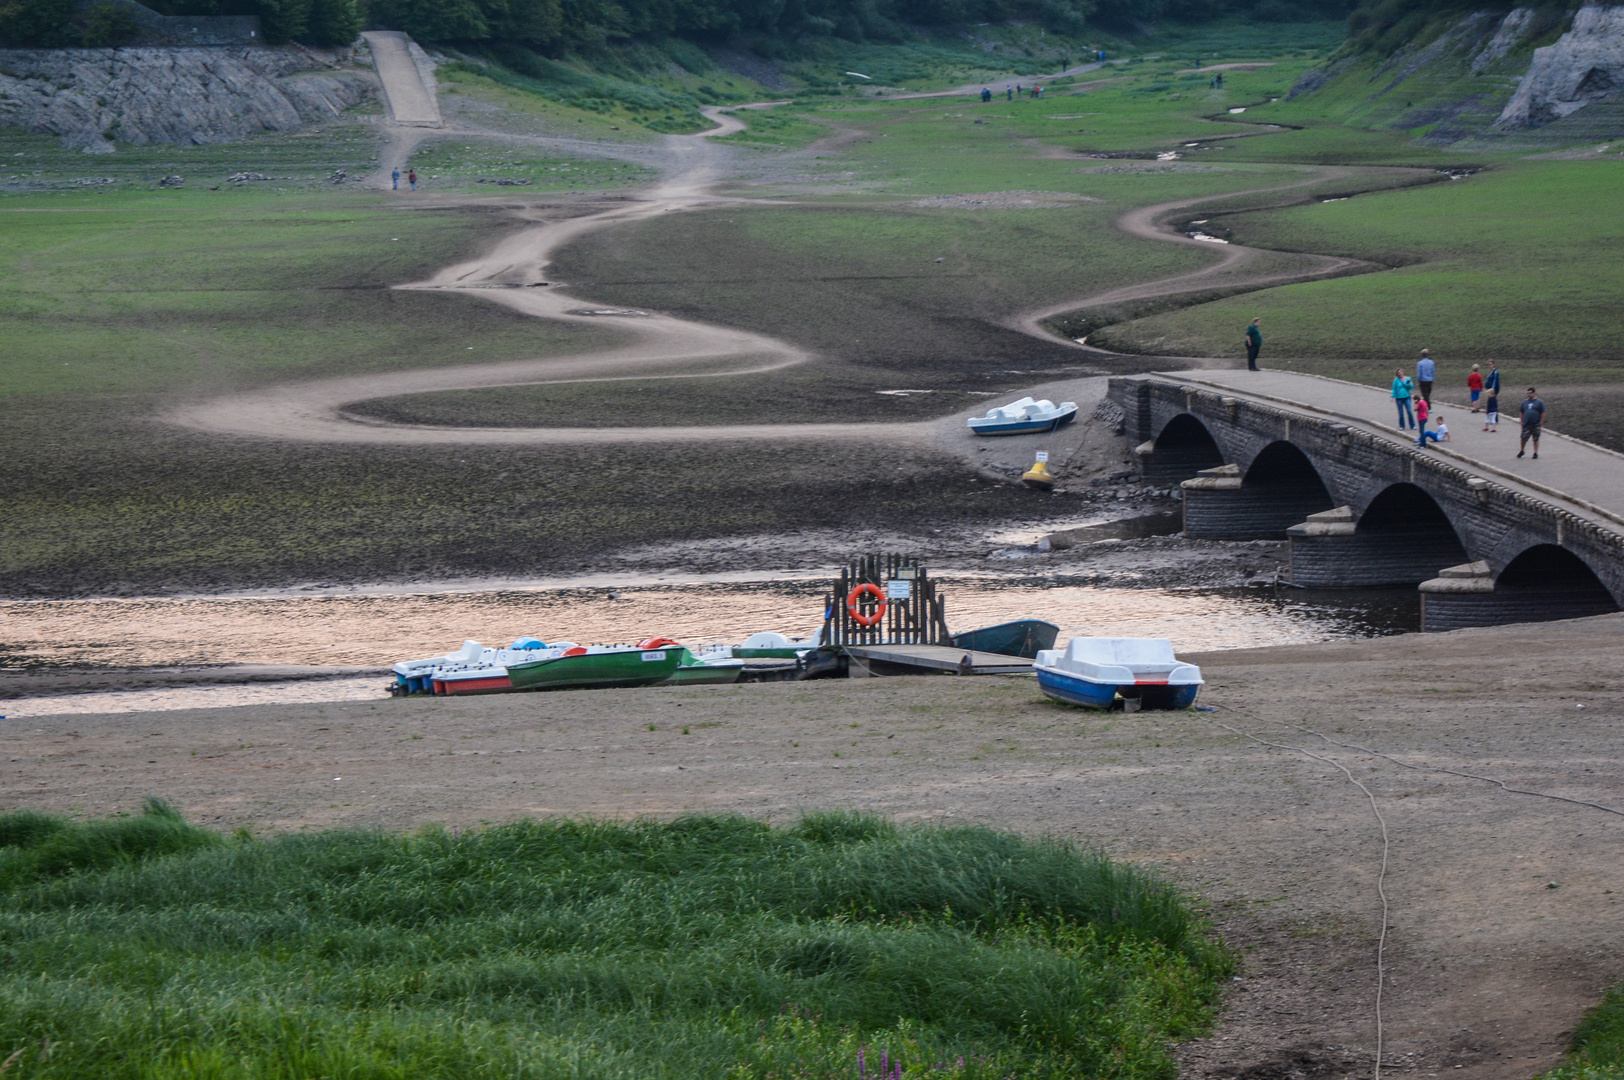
(1024, 417)
(1093, 672)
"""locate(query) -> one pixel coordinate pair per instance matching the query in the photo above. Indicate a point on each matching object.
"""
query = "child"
(1474, 383)
(1443, 432)
(1422, 411)
(1491, 410)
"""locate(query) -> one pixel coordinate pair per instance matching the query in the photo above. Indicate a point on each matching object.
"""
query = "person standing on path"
(1533, 415)
(1491, 381)
(1425, 372)
(412, 176)
(1254, 343)
(986, 95)
(394, 178)
(1401, 398)
(1491, 411)
(1474, 385)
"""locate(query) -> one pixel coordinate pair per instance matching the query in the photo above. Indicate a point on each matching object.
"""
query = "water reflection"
(380, 630)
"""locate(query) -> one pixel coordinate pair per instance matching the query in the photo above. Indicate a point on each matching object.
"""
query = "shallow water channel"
(378, 630)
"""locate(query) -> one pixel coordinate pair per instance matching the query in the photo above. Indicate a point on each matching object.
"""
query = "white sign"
(658, 654)
(1043, 455)
(898, 589)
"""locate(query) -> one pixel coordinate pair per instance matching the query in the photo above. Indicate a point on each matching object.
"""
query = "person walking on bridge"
(1401, 398)
(1254, 343)
(1533, 415)
(1425, 372)
(1474, 386)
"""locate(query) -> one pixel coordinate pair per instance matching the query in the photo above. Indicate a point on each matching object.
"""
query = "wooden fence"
(914, 614)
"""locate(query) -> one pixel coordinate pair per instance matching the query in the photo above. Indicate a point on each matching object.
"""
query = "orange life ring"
(856, 594)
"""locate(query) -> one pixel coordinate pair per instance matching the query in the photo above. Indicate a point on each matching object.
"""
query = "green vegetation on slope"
(705, 946)
(1596, 1051)
(1520, 262)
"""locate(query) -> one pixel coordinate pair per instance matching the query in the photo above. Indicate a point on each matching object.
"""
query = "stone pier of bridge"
(1486, 538)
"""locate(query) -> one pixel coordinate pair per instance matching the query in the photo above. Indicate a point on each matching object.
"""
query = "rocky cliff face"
(203, 95)
(1584, 67)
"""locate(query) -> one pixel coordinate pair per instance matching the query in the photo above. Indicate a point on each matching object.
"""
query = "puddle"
(1204, 238)
(1240, 109)
(380, 630)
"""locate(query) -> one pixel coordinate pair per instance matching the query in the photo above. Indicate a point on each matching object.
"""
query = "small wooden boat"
(1094, 672)
(580, 667)
(716, 664)
(1024, 637)
(1024, 417)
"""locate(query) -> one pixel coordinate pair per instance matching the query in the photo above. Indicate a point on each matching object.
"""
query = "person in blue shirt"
(394, 176)
(1425, 372)
(986, 95)
(1401, 398)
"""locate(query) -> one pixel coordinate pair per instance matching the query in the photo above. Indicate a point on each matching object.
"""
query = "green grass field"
(705, 946)
(1521, 264)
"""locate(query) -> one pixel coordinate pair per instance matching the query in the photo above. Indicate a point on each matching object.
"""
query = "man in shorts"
(1533, 415)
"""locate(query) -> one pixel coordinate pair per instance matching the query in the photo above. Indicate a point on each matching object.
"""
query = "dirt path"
(1487, 965)
(1234, 271)
(658, 346)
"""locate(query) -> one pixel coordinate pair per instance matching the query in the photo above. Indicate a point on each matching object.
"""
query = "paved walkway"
(410, 102)
(1588, 476)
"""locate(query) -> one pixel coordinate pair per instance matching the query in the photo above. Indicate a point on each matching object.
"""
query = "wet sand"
(1488, 967)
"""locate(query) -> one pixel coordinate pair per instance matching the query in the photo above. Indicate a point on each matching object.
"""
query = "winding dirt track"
(659, 346)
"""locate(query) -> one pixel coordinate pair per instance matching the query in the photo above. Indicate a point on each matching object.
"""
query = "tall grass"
(700, 947)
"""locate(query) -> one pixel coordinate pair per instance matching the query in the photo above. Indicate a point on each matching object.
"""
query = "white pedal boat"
(472, 669)
(1094, 671)
(1024, 417)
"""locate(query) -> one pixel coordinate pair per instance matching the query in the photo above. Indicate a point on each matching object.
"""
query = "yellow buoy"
(1039, 476)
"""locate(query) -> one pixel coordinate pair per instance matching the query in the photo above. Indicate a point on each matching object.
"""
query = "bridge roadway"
(1487, 537)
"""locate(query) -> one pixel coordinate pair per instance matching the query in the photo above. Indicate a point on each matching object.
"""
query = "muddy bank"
(1488, 966)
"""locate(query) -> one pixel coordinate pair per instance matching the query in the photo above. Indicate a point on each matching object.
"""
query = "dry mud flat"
(1503, 924)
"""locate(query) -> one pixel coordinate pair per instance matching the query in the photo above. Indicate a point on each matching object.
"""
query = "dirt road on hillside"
(1504, 918)
(657, 346)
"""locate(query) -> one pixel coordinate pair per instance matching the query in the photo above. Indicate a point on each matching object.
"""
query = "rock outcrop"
(91, 97)
(1584, 67)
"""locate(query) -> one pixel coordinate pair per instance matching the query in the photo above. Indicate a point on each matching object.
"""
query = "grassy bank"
(1596, 1051)
(705, 946)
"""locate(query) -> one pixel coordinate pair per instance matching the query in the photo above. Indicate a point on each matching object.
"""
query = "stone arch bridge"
(1486, 538)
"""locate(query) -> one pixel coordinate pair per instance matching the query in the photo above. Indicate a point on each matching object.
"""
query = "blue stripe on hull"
(1092, 695)
(1075, 691)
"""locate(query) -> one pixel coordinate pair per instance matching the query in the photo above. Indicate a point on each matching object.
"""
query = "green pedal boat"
(713, 665)
(600, 666)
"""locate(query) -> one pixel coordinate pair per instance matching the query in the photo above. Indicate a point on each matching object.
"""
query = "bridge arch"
(1284, 485)
(1404, 537)
(1183, 448)
(1553, 578)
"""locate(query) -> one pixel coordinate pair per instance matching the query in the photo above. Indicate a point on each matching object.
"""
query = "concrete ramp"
(408, 95)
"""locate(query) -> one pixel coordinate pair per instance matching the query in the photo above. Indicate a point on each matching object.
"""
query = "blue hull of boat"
(1093, 695)
(1025, 427)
